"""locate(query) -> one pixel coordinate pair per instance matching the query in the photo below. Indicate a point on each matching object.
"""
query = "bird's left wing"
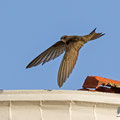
(51, 53)
(67, 65)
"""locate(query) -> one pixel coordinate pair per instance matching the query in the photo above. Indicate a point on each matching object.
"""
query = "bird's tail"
(93, 35)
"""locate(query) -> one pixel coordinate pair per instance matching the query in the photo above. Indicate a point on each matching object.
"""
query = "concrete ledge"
(59, 95)
(58, 105)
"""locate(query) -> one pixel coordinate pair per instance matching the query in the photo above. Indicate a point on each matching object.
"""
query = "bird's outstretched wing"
(67, 65)
(51, 53)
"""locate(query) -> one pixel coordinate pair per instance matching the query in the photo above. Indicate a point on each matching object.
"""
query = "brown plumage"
(71, 45)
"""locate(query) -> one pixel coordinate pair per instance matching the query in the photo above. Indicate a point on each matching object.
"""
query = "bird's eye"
(63, 37)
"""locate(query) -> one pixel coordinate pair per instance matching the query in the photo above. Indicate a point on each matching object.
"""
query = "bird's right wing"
(67, 65)
(51, 53)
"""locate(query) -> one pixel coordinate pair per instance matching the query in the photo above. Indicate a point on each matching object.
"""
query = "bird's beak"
(63, 40)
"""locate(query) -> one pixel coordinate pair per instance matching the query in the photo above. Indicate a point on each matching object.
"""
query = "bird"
(70, 45)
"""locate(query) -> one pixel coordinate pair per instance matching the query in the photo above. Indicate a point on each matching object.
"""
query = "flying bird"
(71, 46)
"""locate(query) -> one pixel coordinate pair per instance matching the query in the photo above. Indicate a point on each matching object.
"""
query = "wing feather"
(67, 65)
(51, 53)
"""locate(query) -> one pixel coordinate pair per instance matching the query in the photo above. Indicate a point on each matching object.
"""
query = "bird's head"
(65, 38)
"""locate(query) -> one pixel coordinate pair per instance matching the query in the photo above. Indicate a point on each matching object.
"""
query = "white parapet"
(58, 105)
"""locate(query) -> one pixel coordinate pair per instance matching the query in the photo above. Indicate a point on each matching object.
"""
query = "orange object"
(101, 84)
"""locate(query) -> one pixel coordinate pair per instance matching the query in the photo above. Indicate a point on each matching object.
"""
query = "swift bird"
(71, 45)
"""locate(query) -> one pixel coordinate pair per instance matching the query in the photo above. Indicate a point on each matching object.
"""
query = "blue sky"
(28, 27)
